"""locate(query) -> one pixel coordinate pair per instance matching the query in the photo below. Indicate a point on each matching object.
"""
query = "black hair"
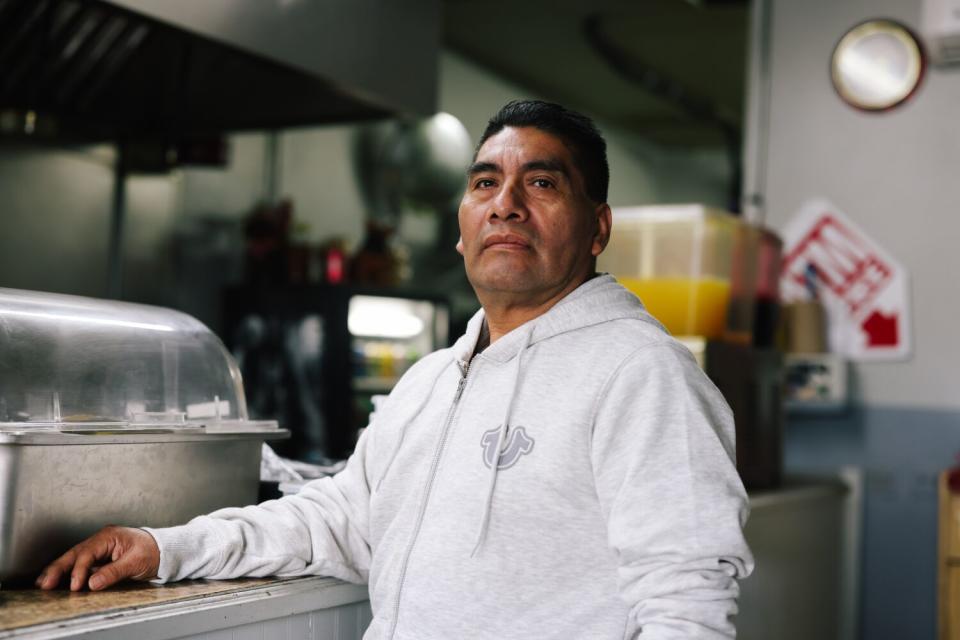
(574, 129)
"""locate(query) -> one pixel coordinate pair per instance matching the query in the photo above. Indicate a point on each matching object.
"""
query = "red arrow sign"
(881, 330)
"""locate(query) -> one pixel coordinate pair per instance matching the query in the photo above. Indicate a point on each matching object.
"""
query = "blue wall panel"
(902, 452)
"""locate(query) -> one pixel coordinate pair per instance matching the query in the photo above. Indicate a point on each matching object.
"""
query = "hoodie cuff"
(178, 550)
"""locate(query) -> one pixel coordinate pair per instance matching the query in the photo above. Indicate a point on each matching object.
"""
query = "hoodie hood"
(600, 299)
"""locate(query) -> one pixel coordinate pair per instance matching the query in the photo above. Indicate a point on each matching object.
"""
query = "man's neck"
(503, 320)
(504, 315)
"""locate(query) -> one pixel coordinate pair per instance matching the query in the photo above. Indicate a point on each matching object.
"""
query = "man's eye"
(483, 183)
(543, 183)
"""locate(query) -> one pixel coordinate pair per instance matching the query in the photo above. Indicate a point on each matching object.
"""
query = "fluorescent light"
(383, 318)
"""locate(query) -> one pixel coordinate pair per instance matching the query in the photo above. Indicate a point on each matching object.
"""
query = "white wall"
(317, 172)
(55, 219)
(231, 191)
(894, 173)
(54, 238)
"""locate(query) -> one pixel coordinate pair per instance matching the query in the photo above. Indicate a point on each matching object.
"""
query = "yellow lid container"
(678, 260)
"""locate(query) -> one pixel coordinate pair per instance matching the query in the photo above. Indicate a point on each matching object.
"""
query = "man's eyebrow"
(552, 165)
(482, 167)
(546, 165)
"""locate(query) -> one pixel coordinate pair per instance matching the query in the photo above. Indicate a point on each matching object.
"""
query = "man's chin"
(502, 283)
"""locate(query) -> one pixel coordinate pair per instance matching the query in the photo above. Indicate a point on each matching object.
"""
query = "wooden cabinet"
(949, 562)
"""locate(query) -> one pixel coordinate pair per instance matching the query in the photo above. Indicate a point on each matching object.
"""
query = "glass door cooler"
(314, 357)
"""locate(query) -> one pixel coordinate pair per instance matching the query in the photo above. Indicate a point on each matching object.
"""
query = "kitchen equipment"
(677, 259)
(752, 382)
(315, 356)
(113, 413)
(165, 70)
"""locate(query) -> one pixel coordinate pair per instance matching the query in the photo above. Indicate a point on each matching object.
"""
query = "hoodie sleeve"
(323, 530)
(663, 457)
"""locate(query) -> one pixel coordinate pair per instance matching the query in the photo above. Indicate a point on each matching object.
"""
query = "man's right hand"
(107, 557)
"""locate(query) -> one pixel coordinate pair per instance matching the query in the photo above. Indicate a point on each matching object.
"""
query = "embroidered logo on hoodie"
(517, 444)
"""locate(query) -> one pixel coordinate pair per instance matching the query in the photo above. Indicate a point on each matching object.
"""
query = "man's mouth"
(506, 241)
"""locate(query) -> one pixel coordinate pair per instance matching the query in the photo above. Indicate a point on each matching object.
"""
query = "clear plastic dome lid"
(72, 363)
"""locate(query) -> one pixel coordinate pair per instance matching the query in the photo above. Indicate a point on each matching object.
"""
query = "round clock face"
(877, 65)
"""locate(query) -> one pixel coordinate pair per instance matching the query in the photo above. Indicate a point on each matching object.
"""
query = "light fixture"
(374, 317)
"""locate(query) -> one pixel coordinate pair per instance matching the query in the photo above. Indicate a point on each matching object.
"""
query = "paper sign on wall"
(864, 290)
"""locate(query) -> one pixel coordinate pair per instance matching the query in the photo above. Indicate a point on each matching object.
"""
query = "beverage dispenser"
(677, 259)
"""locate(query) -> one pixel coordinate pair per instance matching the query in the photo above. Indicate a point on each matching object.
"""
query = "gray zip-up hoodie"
(613, 509)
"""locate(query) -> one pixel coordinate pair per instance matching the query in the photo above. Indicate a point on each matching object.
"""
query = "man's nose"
(509, 204)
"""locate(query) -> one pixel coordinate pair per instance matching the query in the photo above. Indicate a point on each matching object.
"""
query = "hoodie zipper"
(426, 497)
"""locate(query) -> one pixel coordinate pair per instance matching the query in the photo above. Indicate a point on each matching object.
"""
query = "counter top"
(25, 607)
(49, 614)
(798, 488)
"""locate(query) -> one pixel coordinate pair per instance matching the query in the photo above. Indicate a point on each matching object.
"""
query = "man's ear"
(604, 224)
(460, 245)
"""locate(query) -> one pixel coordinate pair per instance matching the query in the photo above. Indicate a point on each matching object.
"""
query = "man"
(565, 470)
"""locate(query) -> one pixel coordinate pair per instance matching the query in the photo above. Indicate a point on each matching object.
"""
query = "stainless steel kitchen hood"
(147, 68)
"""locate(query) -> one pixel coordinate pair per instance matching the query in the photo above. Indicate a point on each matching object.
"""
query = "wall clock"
(877, 65)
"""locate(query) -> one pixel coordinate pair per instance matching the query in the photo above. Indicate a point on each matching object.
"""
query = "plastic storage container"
(114, 413)
(678, 260)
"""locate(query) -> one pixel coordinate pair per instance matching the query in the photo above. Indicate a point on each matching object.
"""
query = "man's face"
(528, 229)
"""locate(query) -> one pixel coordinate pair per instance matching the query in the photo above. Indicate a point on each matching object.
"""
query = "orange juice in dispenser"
(677, 259)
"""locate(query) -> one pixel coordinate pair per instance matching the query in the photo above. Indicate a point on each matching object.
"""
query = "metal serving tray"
(57, 488)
